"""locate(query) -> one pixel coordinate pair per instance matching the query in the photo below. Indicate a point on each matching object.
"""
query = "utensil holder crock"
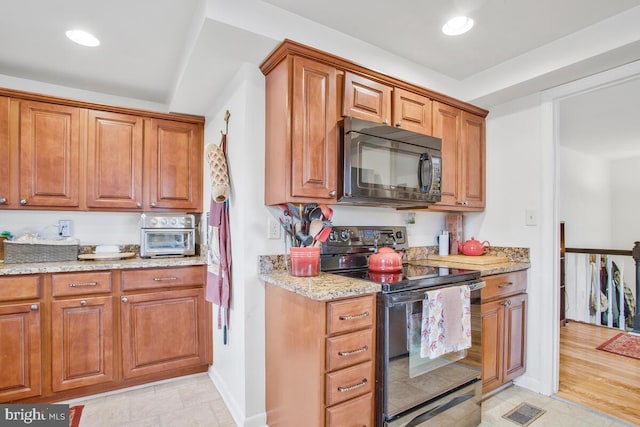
(305, 261)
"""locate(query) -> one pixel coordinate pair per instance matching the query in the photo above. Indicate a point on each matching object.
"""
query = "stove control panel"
(345, 237)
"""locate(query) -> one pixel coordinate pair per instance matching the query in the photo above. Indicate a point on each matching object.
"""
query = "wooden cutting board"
(465, 259)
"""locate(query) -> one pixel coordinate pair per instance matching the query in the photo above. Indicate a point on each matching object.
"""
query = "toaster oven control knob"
(173, 221)
(163, 221)
(154, 221)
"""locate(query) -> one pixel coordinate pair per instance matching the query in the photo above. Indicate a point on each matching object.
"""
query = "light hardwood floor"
(597, 379)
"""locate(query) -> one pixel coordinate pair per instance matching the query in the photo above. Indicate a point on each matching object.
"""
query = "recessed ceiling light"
(83, 38)
(458, 25)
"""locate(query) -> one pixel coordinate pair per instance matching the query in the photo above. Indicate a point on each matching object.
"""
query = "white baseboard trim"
(238, 415)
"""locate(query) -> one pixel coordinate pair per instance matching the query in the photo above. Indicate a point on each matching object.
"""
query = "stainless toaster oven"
(167, 235)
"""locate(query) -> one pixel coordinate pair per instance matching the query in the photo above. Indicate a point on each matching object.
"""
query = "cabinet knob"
(153, 204)
(506, 303)
(3, 200)
(124, 299)
(333, 193)
(138, 205)
(23, 201)
(385, 122)
(83, 302)
(34, 307)
(398, 124)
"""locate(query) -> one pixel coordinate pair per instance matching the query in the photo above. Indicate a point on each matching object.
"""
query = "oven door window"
(168, 239)
(385, 168)
(412, 379)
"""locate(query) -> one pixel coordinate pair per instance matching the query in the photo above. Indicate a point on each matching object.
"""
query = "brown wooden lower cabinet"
(20, 351)
(162, 331)
(504, 317)
(319, 360)
(85, 334)
(81, 342)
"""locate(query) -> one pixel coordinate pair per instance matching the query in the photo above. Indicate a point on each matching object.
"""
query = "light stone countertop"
(88, 265)
(327, 286)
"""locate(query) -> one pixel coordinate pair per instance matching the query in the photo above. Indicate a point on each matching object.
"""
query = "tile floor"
(194, 401)
(560, 413)
(190, 401)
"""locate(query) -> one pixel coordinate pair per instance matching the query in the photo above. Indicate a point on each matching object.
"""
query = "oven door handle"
(412, 296)
(425, 416)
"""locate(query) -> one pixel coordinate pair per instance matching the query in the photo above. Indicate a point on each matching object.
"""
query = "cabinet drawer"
(354, 413)
(349, 349)
(346, 315)
(502, 285)
(14, 288)
(149, 278)
(94, 282)
(348, 383)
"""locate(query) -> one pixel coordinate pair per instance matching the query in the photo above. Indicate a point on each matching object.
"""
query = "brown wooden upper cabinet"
(49, 155)
(366, 99)
(370, 100)
(463, 158)
(175, 165)
(309, 91)
(301, 139)
(5, 154)
(114, 160)
(68, 155)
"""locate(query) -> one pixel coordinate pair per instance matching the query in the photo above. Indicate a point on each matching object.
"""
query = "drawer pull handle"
(164, 279)
(353, 387)
(74, 285)
(505, 285)
(356, 351)
(34, 307)
(354, 316)
(506, 303)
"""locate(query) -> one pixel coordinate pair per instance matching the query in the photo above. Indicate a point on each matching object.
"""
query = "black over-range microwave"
(384, 165)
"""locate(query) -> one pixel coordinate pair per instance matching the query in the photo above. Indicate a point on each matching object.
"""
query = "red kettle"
(474, 247)
(386, 260)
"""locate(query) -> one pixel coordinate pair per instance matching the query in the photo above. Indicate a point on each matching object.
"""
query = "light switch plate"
(531, 217)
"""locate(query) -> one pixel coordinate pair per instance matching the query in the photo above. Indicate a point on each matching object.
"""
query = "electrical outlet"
(531, 217)
(64, 228)
(273, 229)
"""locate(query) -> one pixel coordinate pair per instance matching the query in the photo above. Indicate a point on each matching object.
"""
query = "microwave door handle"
(424, 188)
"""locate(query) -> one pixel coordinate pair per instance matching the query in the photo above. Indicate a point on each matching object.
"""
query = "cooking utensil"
(327, 212)
(315, 227)
(322, 236)
(304, 239)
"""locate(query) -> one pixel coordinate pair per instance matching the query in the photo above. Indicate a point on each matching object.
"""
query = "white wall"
(625, 202)
(520, 177)
(585, 199)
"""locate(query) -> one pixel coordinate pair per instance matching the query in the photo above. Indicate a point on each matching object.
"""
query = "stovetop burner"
(347, 252)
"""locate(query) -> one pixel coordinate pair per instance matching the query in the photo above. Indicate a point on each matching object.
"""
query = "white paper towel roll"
(443, 244)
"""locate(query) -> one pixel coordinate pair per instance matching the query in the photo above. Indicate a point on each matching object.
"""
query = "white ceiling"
(180, 55)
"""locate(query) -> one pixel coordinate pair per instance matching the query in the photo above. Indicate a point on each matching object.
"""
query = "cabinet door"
(114, 161)
(175, 165)
(366, 99)
(492, 345)
(314, 138)
(515, 319)
(162, 331)
(81, 342)
(49, 155)
(20, 352)
(412, 111)
(472, 150)
(5, 153)
(446, 125)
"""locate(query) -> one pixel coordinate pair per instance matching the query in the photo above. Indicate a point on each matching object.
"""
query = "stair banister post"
(635, 253)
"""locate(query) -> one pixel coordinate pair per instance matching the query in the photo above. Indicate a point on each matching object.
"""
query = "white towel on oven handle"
(446, 321)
